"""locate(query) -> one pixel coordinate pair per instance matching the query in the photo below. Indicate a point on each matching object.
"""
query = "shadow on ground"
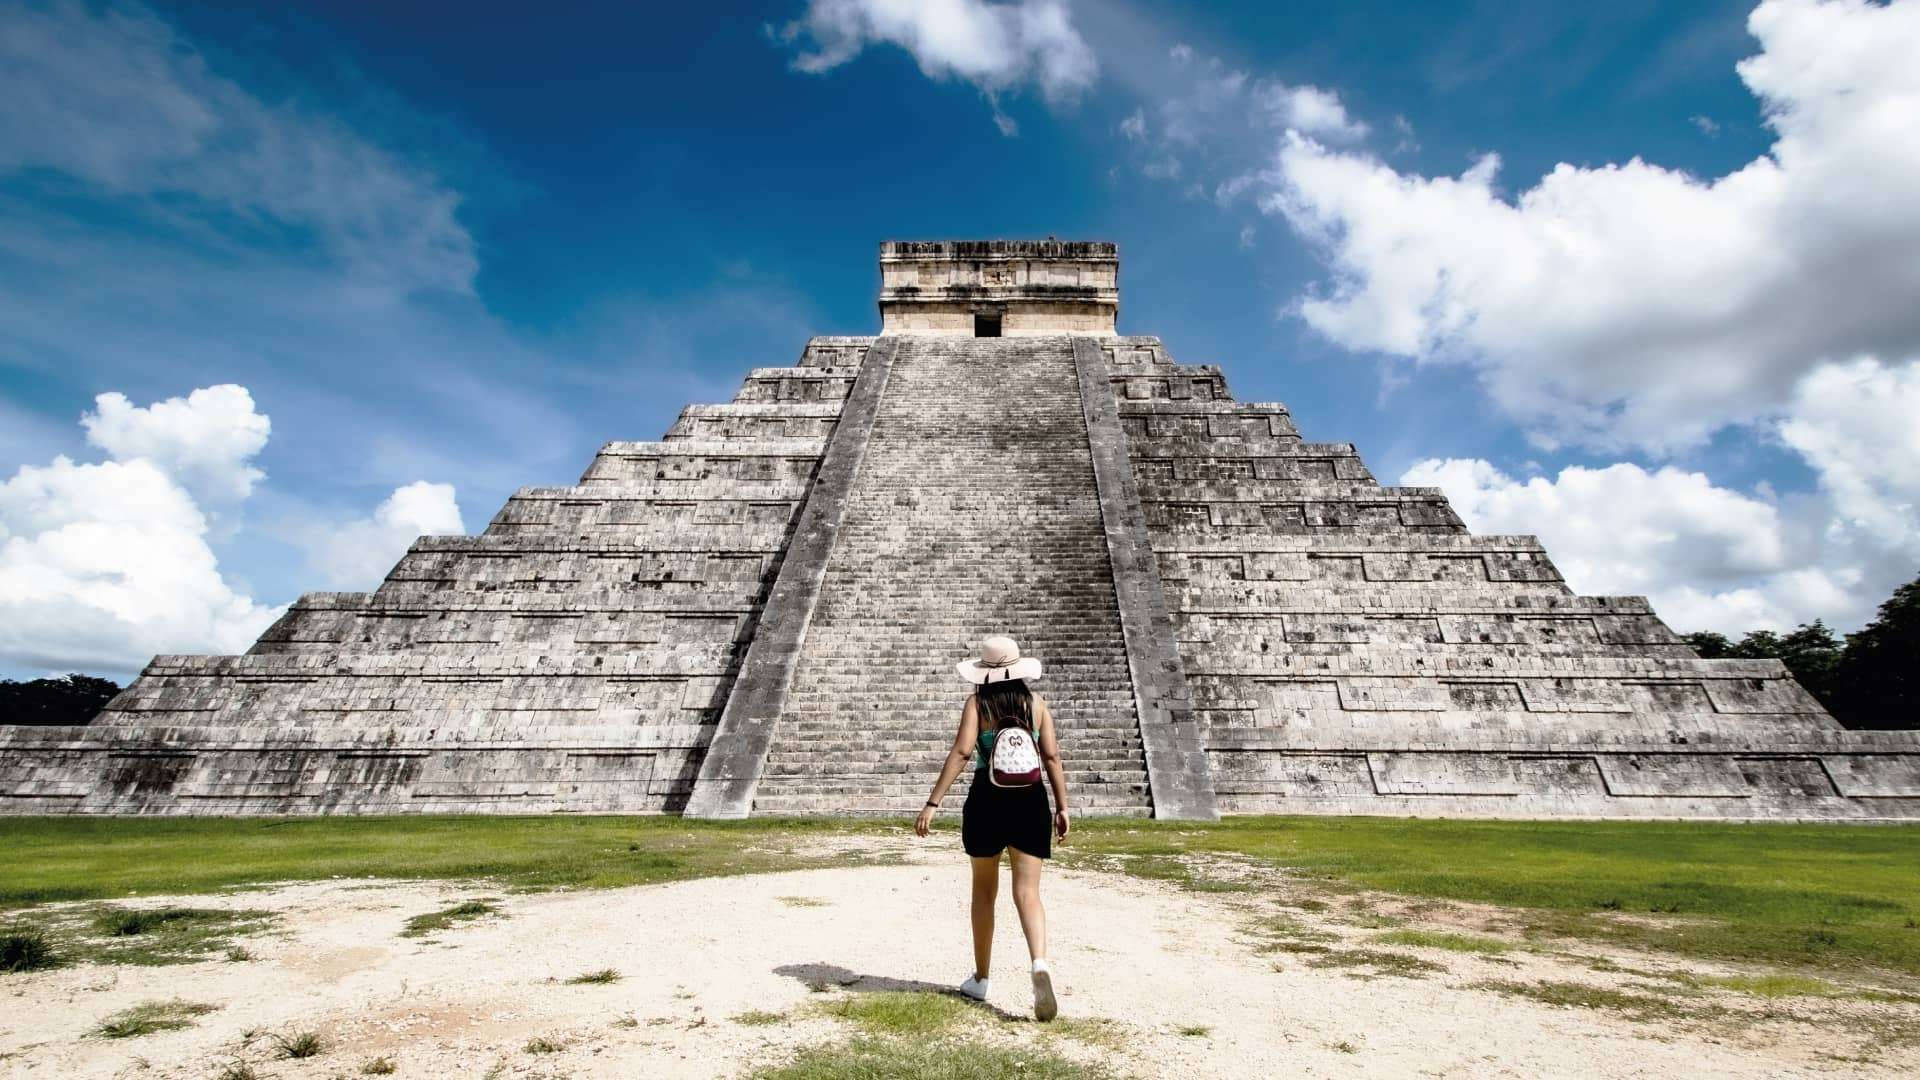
(821, 976)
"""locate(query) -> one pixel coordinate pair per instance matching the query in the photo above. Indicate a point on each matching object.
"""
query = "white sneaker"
(974, 988)
(1044, 1007)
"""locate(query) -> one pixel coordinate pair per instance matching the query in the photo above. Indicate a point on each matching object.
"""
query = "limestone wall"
(1352, 649)
(573, 656)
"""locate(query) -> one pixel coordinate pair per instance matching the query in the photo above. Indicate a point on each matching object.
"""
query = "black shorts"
(996, 818)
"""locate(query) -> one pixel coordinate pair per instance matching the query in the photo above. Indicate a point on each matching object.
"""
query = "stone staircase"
(975, 512)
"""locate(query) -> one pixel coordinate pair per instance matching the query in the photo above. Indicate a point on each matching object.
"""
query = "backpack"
(1015, 761)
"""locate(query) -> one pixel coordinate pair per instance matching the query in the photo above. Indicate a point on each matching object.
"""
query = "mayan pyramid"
(759, 613)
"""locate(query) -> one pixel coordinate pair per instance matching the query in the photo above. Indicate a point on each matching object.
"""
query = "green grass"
(298, 1044)
(595, 978)
(1195, 1031)
(104, 934)
(26, 950)
(923, 1059)
(1642, 1007)
(73, 858)
(1440, 939)
(916, 1012)
(1785, 896)
(759, 1018)
(1771, 986)
(435, 921)
(1782, 895)
(1377, 962)
(149, 1017)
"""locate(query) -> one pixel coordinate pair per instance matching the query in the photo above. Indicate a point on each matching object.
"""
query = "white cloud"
(1309, 110)
(359, 553)
(118, 100)
(1858, 426)
(994, 46)
(1713, 558)
(1706, 125)
(1635, 305)
(206, 440)
(1214, 121)
(103, 565)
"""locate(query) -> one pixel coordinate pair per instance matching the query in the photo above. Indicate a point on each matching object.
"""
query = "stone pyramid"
(759, 613)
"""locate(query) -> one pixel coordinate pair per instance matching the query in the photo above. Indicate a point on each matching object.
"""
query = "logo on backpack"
(1016, 760)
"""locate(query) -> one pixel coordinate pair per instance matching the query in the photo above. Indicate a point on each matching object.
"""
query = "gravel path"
(694, 956)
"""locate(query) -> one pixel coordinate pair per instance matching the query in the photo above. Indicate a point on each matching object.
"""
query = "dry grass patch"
(938, 1059)
(802, 901)
(595, 978)
(446, 918)
(1644, 1008)
(1441, 939)
(759, 1018)
(149, 1017)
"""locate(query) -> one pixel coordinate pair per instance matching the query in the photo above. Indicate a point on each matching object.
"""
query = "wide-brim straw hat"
(999, 661)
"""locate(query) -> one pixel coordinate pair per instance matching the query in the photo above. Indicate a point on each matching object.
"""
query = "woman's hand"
(925, 821)
(1060, 823)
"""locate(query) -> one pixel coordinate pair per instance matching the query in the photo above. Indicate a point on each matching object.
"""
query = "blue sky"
(449, 256)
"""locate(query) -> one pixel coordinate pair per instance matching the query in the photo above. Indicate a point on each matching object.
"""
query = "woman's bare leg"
(986, 890)
(1026, 900)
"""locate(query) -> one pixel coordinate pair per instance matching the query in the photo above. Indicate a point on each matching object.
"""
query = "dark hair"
(1005, 702)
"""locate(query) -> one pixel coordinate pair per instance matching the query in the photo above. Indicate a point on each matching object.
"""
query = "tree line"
(1866, 681)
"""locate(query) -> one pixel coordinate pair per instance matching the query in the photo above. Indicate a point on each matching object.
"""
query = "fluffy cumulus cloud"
(359, 553)
(1713, 558)
(994, 46)
(104, 564)
(1633, 304)
(207, 439)
(118, 100)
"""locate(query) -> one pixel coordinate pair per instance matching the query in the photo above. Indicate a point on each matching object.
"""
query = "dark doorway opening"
(986, 325)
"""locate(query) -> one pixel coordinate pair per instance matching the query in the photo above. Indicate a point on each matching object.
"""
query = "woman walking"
(1005, 810)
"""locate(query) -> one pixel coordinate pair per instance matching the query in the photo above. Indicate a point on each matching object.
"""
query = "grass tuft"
(1452, 942)
(802, 901)
(298, 1044)
(236, 1070)
(26, 950)
(1378, 961)
(1098, 1031)
(1641, 1007)
(759, 1018)
(238, 954)
(1771, 985)
(149, 1017)
(595, 978)
(380, 1066)
(445, 918)
(910, 1012)
(1196, 1031)
(540, 1044)
(930, 1060)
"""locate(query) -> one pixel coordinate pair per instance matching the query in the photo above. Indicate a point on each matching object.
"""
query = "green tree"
(74, 699)
(1876, 685)
(1811, 652)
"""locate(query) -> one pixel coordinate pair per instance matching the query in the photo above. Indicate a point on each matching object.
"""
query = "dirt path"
(695, 956)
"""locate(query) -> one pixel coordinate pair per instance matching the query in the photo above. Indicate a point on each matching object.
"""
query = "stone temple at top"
(759, 613)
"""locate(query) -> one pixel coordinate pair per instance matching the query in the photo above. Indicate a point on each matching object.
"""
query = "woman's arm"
(963, 744)
(1050, 756)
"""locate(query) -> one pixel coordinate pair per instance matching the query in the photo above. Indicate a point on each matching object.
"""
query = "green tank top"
(984, 750)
